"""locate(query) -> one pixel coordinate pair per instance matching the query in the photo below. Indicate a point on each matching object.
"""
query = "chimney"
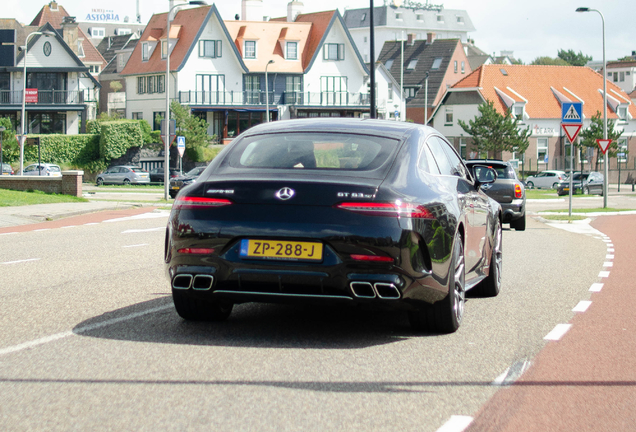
(173, 3)
(252, 10)
(410, 39)
(69, 33)
(430, 37)
(294, 8)
(53, 6)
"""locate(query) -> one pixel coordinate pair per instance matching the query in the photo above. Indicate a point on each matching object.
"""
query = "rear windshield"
(138, 170)
(505, 172)
(54, 168)
(316, 151)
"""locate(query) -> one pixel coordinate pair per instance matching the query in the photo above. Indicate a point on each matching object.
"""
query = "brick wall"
(69, 184)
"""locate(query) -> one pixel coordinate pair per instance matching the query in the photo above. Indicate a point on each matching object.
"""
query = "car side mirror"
(483, 175)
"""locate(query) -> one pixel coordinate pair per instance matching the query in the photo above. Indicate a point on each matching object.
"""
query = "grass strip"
(12, 198)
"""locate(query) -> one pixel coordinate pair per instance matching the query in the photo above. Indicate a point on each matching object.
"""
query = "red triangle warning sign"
(604, 144)
(571, 130)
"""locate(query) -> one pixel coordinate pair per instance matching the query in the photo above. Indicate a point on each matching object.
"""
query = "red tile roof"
(535, 84)
(320, 22)
(190, 21)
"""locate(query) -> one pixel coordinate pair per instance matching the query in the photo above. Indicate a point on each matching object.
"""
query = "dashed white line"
(143, 230)
(42, 229)
(512, 374)
(69, 226)
(136, 245)
(610, 245)
(609, 256)
(610, 250)
(9, 233)
(608, 264)
(21, 261)
(47, 339)
(91, 223)
(607, 240)
(582, 306)
(596, 287)
(456, 423)
(557, 332)
(603, 274)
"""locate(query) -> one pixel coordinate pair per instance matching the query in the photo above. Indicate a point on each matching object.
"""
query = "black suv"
(507, 190)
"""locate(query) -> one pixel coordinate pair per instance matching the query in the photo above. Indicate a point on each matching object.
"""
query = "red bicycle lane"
(586, 381)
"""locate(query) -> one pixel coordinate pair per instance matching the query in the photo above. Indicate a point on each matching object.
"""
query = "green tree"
(574, 59)
(589, 136)
(10, 148)
(492, 131)
(549, 61)
(193, 128)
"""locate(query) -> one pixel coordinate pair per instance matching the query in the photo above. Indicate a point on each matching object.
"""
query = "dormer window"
(388, 64)
(518, 111)
(419, 17)
(333, 51)
(460, 20)
(364, 16)
(97, 32)
(622, 113)
(412, 64)
(291, 50)
(398, 15)
(145, 51)
(250, 50)
(437, 63)
(210, 48)
(440, 19)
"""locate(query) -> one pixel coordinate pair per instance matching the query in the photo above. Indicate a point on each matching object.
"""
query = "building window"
(210, 48)
(291, 51)
(145, 51)
(455, 66)
(210, 89)
(390, 89)
(398, 15)
(621, 76)
(419, 17)
(253, 89)
(622, 150)
(437, 63)
(440, 18)
(138, 116)
(123, 31)
(365, 39)
(164, 49)
(121, 62)
(518, 111)
(293, 89)
(333, 51)
(388, 64)
(460, 20)
(410, 92)
(542, 150)
(250, 49)
(412, 64)
(151, 84)
(97, 32)
(448, 121)
(80, 47)
(364, 16)
(462, 147)
(46, 123)
(157, 116)
(622, 113)
(94, 69)
(463, 67)
(615, 76)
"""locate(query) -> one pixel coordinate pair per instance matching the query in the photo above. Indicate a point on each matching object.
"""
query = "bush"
(117, 137)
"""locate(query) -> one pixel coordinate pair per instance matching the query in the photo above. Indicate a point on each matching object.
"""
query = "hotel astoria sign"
(97, 15)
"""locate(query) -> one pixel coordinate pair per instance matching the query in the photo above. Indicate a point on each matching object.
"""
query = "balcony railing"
(257, 98)
(46, 97)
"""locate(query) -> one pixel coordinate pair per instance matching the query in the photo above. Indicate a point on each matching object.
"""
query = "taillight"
(518, 191)
(196, 251)
(188, 202)
(396, 209)
(373, 258)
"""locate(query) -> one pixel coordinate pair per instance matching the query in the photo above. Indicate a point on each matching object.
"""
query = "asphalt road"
(89, 340)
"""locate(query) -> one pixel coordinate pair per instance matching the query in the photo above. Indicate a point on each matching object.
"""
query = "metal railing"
(46, 97)
(229, 98)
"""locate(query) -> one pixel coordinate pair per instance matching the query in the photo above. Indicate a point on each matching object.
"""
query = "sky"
(530, 29)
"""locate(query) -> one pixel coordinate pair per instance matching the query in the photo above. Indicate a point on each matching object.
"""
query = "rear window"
(138, 170)
(316, 151)
(505, 172)
(54, 168)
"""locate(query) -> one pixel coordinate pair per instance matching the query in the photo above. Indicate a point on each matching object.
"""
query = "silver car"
(44, 169)
(123, 174)
(545, 179)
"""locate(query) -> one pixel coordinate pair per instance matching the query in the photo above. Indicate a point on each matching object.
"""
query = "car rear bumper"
(513, 210)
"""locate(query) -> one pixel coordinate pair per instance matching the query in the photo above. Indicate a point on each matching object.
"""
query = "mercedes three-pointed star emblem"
(285, 193)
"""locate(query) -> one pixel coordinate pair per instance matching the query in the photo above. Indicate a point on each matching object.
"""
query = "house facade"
(219, 69)
(623, 74)
(60, 90)
(535, 95)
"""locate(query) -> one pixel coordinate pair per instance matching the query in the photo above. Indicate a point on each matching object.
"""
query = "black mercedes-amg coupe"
(377, 213)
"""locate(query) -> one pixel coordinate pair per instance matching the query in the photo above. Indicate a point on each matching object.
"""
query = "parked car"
(157, 174)
(123, 174)
(507, 190)
(6, 169)
(586, 183)
(545, 180)
(371, 213)
(178, 183)
(44, 169)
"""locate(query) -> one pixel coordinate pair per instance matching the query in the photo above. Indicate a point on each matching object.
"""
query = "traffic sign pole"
(571, 122)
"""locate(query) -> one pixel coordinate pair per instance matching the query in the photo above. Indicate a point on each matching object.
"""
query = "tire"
(555, 185)
(519, 224)
(446, 315)
(126, 181)
(99, 181)
(194, 309)
(586, 190)
(530, 185)
(491, 286)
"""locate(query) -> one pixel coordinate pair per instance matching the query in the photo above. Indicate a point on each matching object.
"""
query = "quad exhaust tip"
(196, 282)
(382, 290)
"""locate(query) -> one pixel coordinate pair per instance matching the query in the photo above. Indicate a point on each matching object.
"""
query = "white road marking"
(42, 229)
(608, 264)
(512, 374)
(91, 223)
(456, 423)
(150, 215)
(603, 274)
(143, 230)
(9, 233)
(610, 250)
(582, 306)
(610, 245)
(69, 226)
(47, 339)
(596, 287)
(21, 261)
(557, 332)
(607, 240)
(136, 245)
(609, 256)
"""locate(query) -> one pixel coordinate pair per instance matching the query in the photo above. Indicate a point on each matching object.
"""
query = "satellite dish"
(397, 3)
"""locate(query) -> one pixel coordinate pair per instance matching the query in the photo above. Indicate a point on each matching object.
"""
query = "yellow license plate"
(174, 187)
(279, 249)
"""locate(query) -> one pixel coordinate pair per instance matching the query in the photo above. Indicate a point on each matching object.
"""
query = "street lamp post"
(166, 169)
(605, 157)
(24, 80)
(267, 92)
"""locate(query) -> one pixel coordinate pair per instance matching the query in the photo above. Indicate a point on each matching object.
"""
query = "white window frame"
(333, 51)
(123, 31)
(463, 67)
(437, 63)
(288, 45)
(98, 32)
(448, 116)
(518, 110)
(252, 53)
(390, 89)
(210, 48)
(440, 19)
(543, 147)
(145, 51)
(462, 148)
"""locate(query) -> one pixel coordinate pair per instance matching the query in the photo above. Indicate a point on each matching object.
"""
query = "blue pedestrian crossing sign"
(572, 112)
(181, 145)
